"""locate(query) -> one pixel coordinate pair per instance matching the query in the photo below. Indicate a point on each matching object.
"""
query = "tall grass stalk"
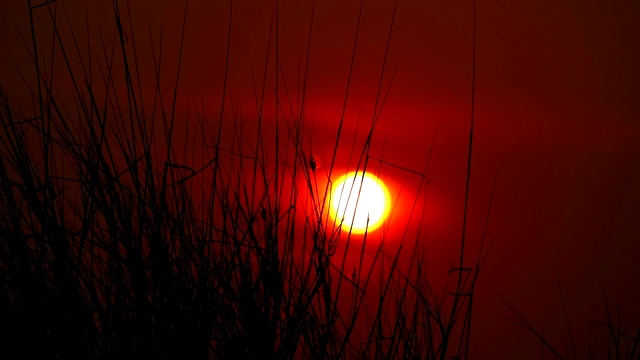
(118, 243)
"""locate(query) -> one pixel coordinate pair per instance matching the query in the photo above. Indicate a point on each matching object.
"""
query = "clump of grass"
(115, 246)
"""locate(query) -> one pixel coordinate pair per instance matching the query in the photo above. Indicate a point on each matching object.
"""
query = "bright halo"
(363, 213)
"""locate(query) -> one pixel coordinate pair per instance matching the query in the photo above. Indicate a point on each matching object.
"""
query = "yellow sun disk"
(360, 203)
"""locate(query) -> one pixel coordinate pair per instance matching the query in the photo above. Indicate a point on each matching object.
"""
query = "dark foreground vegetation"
(119, 241)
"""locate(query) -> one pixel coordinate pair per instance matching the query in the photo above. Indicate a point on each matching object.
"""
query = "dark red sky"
(557, 115)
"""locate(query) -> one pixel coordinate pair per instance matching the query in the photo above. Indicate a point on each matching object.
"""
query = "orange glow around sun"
(360, 203)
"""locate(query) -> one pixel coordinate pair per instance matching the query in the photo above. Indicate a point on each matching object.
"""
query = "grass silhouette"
(117, 243)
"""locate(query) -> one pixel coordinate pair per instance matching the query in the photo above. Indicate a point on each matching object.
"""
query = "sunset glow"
(360, 203)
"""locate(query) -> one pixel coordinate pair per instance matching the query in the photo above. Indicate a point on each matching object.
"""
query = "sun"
(360, 202)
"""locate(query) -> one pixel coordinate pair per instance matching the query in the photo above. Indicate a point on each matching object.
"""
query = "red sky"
(557, 116)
